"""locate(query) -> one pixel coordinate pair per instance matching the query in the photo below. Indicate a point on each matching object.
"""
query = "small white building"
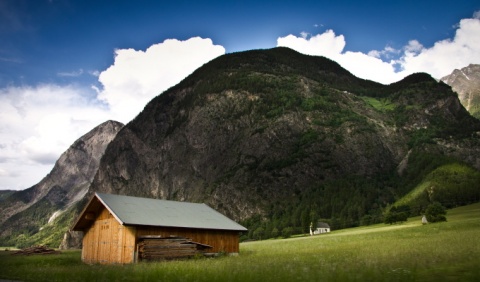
(322, 227)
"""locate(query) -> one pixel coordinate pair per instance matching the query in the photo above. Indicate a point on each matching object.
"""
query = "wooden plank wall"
(106, 241)
(220, 240)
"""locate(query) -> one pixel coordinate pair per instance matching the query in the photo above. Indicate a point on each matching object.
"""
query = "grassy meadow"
(448, 251)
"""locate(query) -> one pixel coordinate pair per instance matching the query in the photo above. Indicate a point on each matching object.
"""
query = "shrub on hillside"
(436, 212)
(397, 214)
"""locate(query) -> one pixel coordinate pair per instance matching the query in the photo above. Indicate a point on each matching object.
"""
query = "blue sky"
(68, 65)
(42, 38)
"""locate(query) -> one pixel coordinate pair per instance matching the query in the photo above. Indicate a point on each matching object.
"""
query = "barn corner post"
(135, 257)
(129, 247)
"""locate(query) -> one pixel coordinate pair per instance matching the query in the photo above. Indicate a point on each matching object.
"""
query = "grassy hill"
(448, 251)
(451, 183)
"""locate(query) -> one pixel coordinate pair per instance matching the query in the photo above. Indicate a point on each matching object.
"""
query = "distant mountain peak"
(65, 185)
(466, 82)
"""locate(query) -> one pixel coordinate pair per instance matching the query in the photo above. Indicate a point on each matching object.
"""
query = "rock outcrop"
(466, 82)
(28, 211)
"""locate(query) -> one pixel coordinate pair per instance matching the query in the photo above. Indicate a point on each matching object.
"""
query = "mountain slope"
(277, 135)
(24, 213)
(466, 82)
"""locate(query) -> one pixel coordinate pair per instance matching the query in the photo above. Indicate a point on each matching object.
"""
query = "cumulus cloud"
(326, 44)
(390, 65)
(476, 15)
(330, 45)
(137, 76)
(413, 47)
(445, 55)
(38, 123)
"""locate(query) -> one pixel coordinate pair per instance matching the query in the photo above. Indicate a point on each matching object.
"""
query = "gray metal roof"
(153, 212)
(323, 225)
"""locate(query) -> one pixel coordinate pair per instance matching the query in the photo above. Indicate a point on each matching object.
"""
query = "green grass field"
(448, 251)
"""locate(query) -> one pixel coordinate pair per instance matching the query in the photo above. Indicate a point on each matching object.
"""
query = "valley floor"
(448, 251)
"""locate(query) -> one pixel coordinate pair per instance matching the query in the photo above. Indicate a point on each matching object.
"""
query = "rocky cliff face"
(27, 211)
(466, 82)
(256, 133)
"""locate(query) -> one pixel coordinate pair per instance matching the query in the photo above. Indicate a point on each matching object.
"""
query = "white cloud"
(38, 123)
(390, 65)
(388, 53)
(94, 73)
(138, 76)
(329, 45)
(476, 15)
(368, 67)
(76, 73)
(414, 47)
(3, 172)
(446, 55)
(326, 44)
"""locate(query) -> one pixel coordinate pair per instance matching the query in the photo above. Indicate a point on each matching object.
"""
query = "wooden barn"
(124, 229)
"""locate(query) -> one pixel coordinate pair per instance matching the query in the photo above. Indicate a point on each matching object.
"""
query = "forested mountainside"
(273, 139)
(42, 214)
(277, 139)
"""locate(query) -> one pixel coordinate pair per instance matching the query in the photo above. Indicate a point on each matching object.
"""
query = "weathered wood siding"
(107, 242)
(220, 240)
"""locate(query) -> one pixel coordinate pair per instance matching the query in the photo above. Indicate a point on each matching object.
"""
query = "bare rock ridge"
(466, 82)
(29, 210)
